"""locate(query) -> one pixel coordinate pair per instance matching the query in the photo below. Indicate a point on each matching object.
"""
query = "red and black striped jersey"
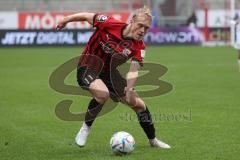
(107, 47)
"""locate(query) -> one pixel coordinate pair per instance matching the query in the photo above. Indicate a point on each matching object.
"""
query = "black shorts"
(113, 80)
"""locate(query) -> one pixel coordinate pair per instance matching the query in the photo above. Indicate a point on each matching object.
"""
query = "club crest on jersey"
(126, 52)
(102, 18)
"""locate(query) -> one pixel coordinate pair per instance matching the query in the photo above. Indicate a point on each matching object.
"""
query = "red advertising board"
(48, 20)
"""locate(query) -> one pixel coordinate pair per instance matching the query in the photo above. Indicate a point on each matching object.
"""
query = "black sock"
(93, 109)
(146, 123)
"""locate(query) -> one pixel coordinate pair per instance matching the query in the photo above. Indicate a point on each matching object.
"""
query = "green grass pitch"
(206, 91)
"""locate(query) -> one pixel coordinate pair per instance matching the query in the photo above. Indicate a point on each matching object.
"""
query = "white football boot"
(159, 144)
(82, 135)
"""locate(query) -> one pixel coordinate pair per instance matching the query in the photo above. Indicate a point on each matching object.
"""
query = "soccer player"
(236, 23)
(237, 42)
(112, 44)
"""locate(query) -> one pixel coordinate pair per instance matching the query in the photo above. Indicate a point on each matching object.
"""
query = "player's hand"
(127, 89)
(61, 24)
(128, 93)
(130, 96)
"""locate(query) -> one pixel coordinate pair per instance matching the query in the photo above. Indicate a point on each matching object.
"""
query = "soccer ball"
(122, 143)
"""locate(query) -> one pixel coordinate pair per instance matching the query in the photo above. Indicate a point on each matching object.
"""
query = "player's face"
(141, 24)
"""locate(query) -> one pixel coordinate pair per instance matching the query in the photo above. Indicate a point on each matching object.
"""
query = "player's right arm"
(84, 16)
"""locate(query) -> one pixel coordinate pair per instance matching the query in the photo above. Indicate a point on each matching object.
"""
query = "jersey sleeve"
(102, 20)
(140, 54)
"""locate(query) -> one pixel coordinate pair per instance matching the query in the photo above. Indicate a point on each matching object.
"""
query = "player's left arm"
(136, 63)
(132, 75)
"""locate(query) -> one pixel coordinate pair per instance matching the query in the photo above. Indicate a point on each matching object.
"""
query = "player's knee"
(102, 97)
(139, 108)
(131, 102)
(136, 104)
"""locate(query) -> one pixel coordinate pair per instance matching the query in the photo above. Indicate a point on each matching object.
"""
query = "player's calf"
(145, 121)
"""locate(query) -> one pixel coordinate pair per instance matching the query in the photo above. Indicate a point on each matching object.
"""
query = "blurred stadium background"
(210, 20)
(192, 38)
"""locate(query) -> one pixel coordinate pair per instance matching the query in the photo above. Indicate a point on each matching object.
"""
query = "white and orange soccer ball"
(122, 143)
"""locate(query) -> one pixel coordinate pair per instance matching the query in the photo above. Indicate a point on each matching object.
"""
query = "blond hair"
(143, 11)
